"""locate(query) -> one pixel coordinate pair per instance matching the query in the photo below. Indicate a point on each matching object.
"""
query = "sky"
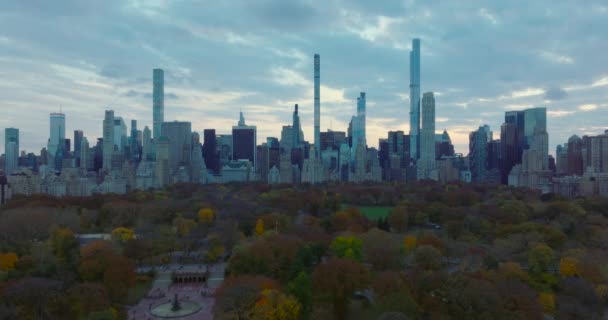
(481, 58)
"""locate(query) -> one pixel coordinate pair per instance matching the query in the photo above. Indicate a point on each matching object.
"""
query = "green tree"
(347, 247)
(301, 288)
(540, 258)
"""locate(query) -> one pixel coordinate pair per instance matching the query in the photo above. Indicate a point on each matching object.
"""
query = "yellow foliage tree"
(547, 301)
(183, 226)
(206, 215)
(123, 234)
(259, 227)
(568, 267)
(274, 305)
(8, 261)
(409, 243)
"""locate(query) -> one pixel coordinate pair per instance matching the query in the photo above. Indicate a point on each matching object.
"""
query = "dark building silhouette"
(210, 154)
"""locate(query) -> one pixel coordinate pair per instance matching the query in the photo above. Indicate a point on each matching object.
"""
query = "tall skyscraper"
(57, 136)
(415, 99)
(244, 142)
(84, 154)
(108, 139)
(317, 90)
(147, 147)
(158, 101)
(296, 139)
(478, 153)
(358, 124)
(78, 135)
(179, 134)
(11, 142)
(427, 138)
(210, 154)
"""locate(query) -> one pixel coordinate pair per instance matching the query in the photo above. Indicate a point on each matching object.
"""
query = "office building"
(57, 137)
(478, 153)
(415, 99)
(179, 134)
(244, 142)
(426, 164)
(108, 139)
(11, 142)
(210, 152)
(148, 153)
(317, 94)
(158, 101)
(78, 135)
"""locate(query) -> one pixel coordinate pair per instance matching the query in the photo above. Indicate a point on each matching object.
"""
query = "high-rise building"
(158, 101)
(331, 140)
(57, 136)
(134, 143)
(162, 161)
(244, 142)
(11, 135)
(296, 139)
(478, 153)
(78, 135)
(415, 99)
(317, 93)
(147, 147)
(120, 134)
(83, 154)
(179, 135)
(108, 139)
(511, 150)
(574, 156)
(427, 165)
(198, 172)
(210, 153)
(358, 124)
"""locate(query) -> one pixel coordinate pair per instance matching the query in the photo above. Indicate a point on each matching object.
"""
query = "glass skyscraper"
(415, 99)
(158, 101)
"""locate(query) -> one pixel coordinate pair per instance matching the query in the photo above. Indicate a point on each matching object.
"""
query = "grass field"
(373, 213)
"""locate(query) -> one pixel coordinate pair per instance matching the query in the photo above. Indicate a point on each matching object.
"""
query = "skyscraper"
(427, 138)
(478, 153)
(108, 139)
(57, 136)
(179, 134)
(358, 124)
(210, 154)
(317, 90)
(78, 135)
(244, 142)
(147, 148)
(158, 101)
(415, 99)
(84, 154)
(296, 138)
(11, 142)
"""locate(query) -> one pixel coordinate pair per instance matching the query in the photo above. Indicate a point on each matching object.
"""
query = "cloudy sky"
(479, 57)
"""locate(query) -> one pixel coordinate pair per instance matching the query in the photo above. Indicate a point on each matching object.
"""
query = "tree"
(398, 218)
(338, 279)
(237, 296)
(275, 305)
(301, 288)
(64, 245)
(8, 261)
(259, 227)
(123, 234)
(206, 216)
(540, 258)
(347, 247)
(568, 267)
(427, 258)
(409, 243)
(381, 249)
(183, 226)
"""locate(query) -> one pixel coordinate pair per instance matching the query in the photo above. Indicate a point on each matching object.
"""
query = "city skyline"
(548, 72)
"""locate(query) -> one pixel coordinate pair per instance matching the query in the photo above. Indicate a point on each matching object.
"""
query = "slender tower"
(317, 106)
(158, 101)
(108, 139)
(415, 100)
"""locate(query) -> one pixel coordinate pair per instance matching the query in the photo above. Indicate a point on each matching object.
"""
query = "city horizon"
(87, 84)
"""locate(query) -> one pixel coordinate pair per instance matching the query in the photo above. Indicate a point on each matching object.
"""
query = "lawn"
(373, 213)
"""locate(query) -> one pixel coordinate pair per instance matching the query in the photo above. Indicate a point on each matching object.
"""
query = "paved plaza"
(196, 296)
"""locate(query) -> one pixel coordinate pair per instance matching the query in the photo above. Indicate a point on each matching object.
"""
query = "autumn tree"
(540, 258)
(237, 296)
(275, 305)
(301, 288)
(347, 247)
(338, 279)
(568, 267)
(398, 218)
(206, 216)
(409, 243)
(381, 249)
(8, 261)
(259, 227)
(427, 257)
(123, 234)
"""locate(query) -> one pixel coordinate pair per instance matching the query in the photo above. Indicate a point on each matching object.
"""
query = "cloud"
(555, 93)
(588, 107)
(556, 58)
(559, 113)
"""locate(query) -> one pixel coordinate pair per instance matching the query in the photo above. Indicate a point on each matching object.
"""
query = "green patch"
(373, 213)
(138, 292)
